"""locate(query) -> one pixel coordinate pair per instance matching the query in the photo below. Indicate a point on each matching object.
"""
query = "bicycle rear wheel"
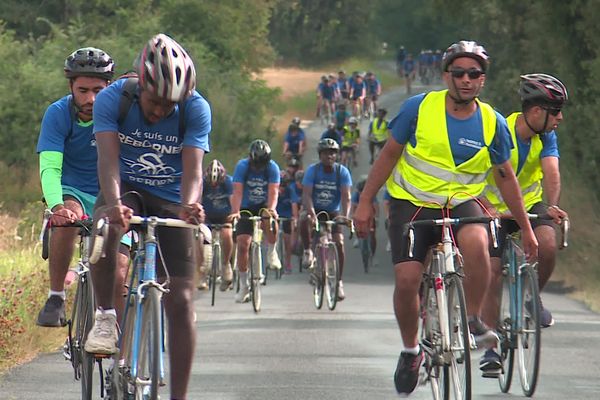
(216, 264)
(255, 272)
(148, 376)
(318, 277)
(459, 367)
(365, 253)
(83, 319)
(529, 335)
(506, 333)
(120, 385)
(332, 276)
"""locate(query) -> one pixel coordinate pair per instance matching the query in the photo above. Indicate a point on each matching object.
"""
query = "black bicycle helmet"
(327, 144)
(89, 61)
(466, 48)
(260, 152)
(299, 175)
(543, 88)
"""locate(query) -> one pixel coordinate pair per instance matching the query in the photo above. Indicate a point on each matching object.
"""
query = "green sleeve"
(50, 175)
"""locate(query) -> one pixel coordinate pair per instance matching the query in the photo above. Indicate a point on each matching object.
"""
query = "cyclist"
(358, 92)
(535, 159)
(408, 71)
(400, 57)
(373, 92)
(343, 87)
(354, 200)
(351, 141)
(386, 212)
(378, 132)
(287, 207)
(294, 142)
(172, 188)
(443, 144)
(216, 200)
(332, 133)
(326, 187)
(255, 187)
(341, 116)
(68, 171)
(325, 94)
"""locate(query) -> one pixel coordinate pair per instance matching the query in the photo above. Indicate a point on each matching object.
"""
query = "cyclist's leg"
(338, 238)
(546, 237)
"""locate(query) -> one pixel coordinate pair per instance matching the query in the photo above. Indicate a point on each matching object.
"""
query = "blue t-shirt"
(326, 90)
(80, 158)
(358, 88)
(150, 154)
(215, 200)
(372, 85)
(465, 135)
(549, 149)
(341, 84)
(408, 66)
(293, 141)
(386, 194)
(332, 134)
(284, 203)
(341, 117)
(326, 195)
(256, 183)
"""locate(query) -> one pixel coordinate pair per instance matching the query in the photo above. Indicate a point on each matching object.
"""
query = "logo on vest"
(474, 144)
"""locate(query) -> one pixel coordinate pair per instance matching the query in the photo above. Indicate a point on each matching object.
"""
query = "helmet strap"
(532, 128)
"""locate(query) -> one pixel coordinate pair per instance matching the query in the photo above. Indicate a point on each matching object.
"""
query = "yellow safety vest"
(529, 177)
(380, 131)
(350, 137)
(427, 173)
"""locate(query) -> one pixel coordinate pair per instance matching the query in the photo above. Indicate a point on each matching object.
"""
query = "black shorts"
(510, 226)
(286, 225)
(373, 96)
(402, 211)
(218, 219)
(355, 97)
(178, 246)
(244, 225)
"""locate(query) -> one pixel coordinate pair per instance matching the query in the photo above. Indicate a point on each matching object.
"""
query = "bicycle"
(366, 249)
(139, 364)
(255, 261)
(519, 319)
(326, 274)
(281, 250)
(216, 258)
(445, 336)
(325, 112)
(82, 314)
(349, 156)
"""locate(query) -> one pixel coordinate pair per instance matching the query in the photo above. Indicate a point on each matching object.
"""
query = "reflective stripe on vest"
(427, 173)
(529, 177)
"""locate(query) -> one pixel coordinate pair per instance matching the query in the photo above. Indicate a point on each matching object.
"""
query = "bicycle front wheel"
(318, 277)
(506, 333)
(216, 264)
(255, 272)
(83, 319)
(332, 276)
(529, 339)
(459, 366)
(365, 253)
(149, 362)
(430, 341)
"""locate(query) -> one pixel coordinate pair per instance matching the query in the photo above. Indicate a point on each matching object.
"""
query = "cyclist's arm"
(345, 194)
(273, 196)
(108, 146)
(381, 170)
(295, 211)
(551, 181)
(507, 183)
(301, 146)
(286, 147)
(307, 201)
(191, 180)
(236, 197)
(50, 176)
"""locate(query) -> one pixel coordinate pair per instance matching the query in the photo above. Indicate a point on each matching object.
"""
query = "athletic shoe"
(53, 313)
(341, 294)
(355, 243)
(490, 364)
(546, 319)
(226, 277)
(481, 332)
(243, 296)
(288, 269)
(307, 259)
(272, 257)
(406, 376)
(388, 247)
(102, 339)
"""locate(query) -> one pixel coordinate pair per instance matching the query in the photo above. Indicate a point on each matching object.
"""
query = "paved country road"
(292, 351)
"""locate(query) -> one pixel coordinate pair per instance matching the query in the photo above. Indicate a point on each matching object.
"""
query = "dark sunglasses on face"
(473, 73)
(552, 111)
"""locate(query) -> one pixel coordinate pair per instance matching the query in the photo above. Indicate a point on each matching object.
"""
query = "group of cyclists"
(360, 91)
(427, 65)
(443, 150)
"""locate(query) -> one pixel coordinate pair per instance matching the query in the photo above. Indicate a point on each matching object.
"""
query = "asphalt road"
(292, 351)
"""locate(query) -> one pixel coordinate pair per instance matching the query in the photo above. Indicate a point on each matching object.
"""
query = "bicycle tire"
(148, 367)
(83, 323)
(216, 263)
(318, 277)
(255, 269)
(430, 335)
(529, 336)
(332, 276)
(281, 252)
(459, 378)
(121, 386)
(506, 333)
(365, 253)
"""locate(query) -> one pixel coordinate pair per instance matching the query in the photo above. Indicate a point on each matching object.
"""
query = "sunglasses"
(552, 111)
(473, 73)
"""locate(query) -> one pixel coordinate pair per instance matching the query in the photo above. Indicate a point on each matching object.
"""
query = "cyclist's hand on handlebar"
(192, 213)
(119, 215)
(233, 216)
(557, 214)
(363, 217)
(62, 215)
(530, 245)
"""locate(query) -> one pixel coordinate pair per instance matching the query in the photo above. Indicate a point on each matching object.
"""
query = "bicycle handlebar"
(565, 225)
(86, 226)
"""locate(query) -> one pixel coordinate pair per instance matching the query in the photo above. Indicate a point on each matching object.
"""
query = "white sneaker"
(243, 296)
(388, 247)
(341, 294)
(226, 277)
(307, 259)
(103, 336)
(272, 257)
(355, 243)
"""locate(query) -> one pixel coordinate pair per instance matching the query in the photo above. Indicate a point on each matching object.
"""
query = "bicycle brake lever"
(494, 232)
(565, 233)
(411, 241)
